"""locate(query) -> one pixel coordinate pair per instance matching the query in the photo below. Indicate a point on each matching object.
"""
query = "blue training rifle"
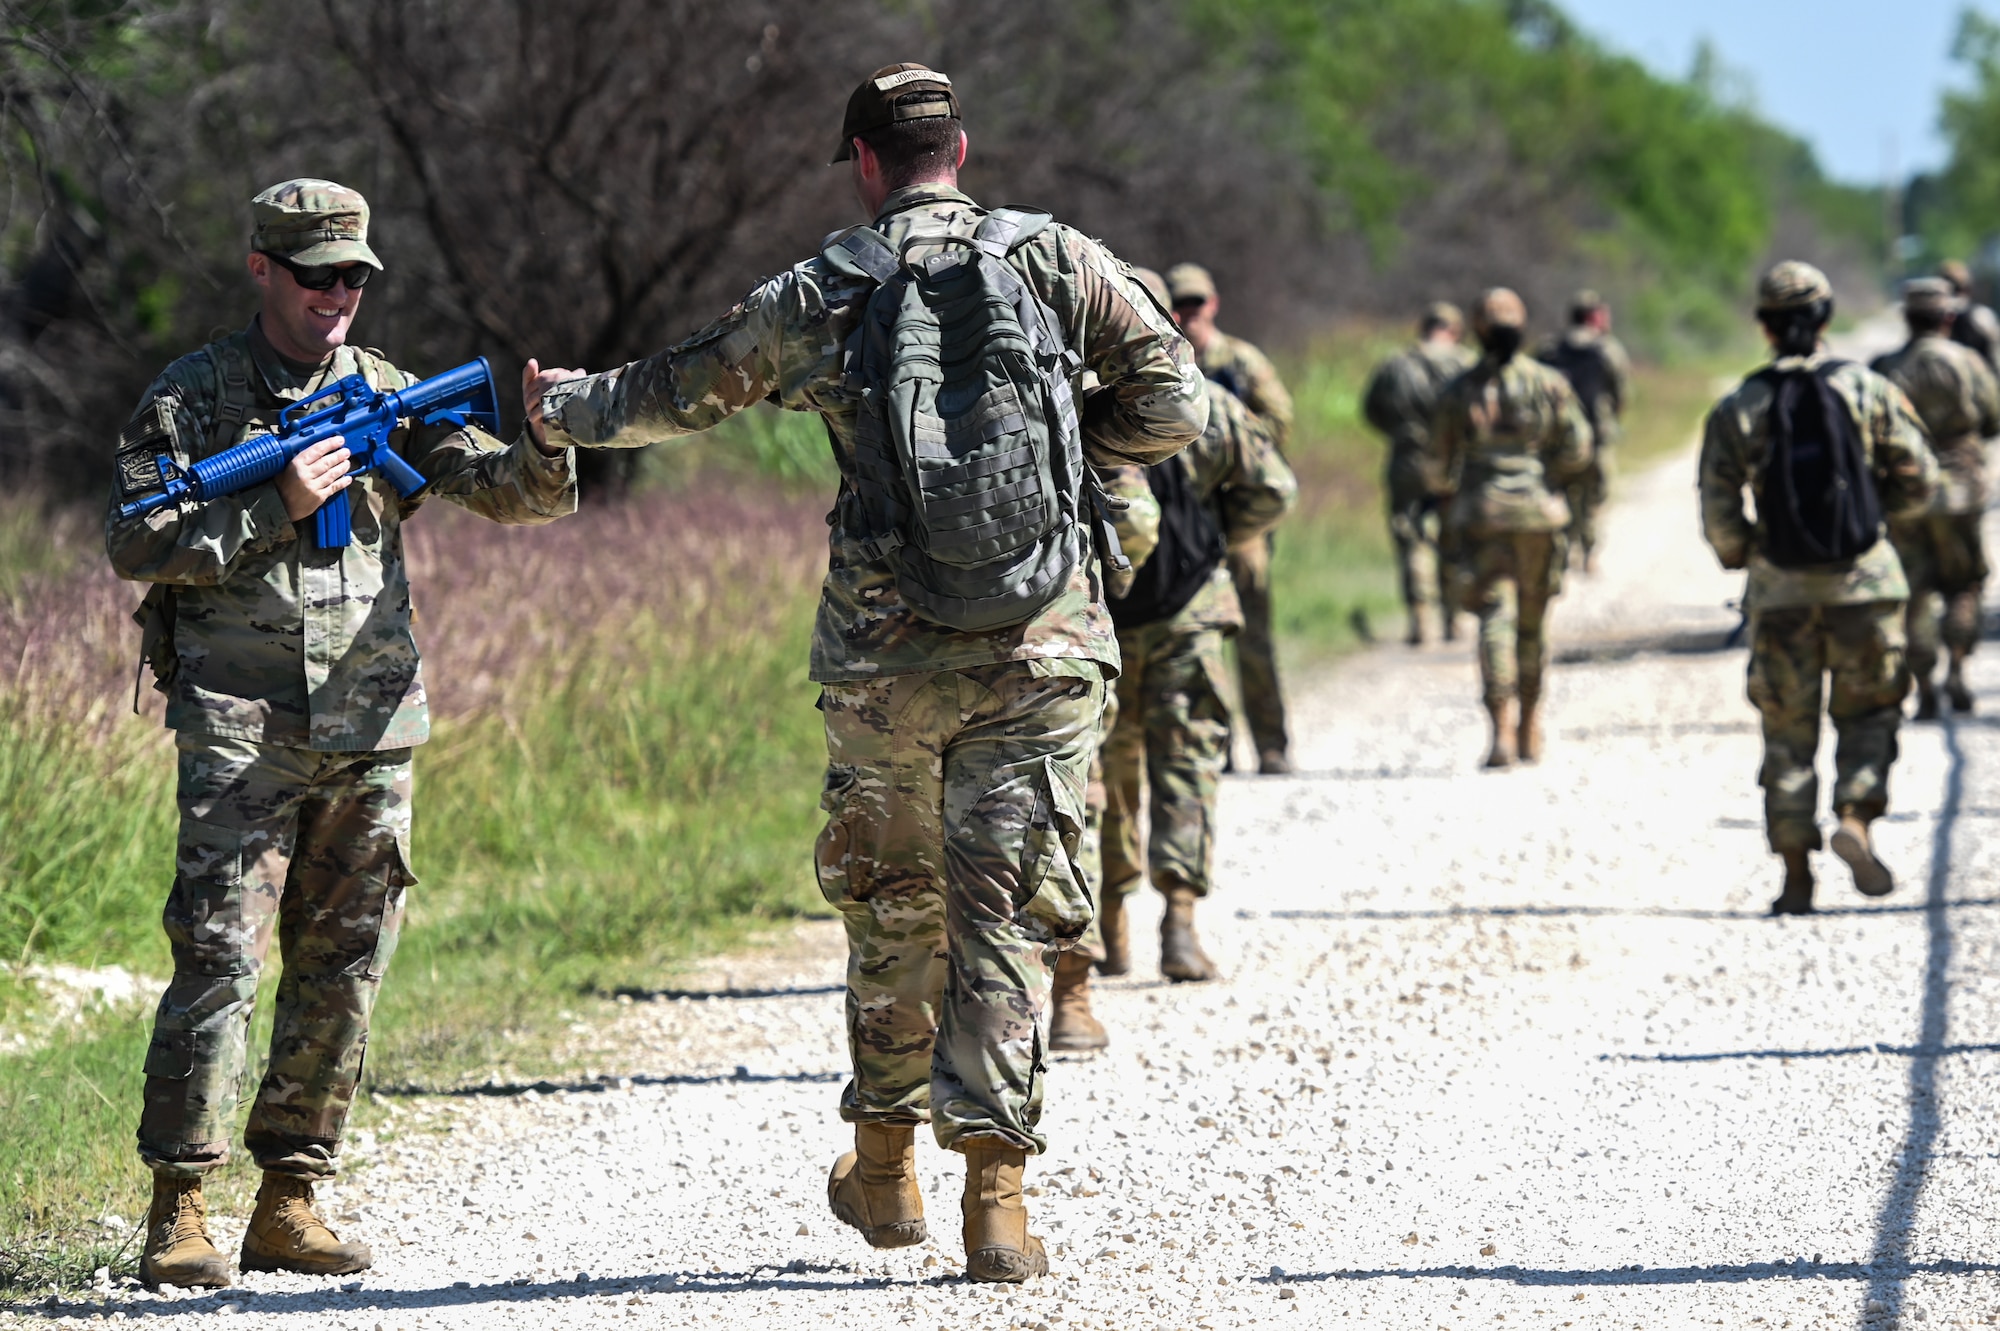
(361, 416)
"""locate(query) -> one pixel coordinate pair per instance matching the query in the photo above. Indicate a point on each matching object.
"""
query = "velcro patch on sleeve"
(145, 437)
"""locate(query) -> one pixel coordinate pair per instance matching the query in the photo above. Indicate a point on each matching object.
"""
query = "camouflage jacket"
(1401, 396)
(1957, 398)
(1506, 438)
(1978, 327)
(273, 639)
(783, 342)
(1248, 373)
(1237, 469)
(1735, 444)
(1137, 523)
(1608, 376)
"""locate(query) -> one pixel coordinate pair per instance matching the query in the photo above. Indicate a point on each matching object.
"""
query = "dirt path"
(1514, 1047)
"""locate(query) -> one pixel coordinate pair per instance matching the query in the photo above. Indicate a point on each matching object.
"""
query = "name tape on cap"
(889, 82)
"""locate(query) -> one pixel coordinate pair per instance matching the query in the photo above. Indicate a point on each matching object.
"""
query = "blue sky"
(1845, 75)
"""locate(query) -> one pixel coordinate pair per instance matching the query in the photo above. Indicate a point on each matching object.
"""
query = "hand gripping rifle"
(361, 416)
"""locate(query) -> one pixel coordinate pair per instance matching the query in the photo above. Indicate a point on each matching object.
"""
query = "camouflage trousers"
(1586, 495)
(1791, 650)
(1944, 557)
(954, 808)
(1257, 649)
(1508, 580)
(1090, 852)
(313, 846)
(1414, 526)
(1165, 752)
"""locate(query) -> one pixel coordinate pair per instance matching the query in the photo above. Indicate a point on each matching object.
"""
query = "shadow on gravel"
(1652, 1275)
(1607, 912)
(704, 995)
(1688, 642)
(1888, 1050)
(797, 1277)
(742, 1075)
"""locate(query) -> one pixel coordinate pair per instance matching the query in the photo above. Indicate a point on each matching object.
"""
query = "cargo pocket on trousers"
(171, 1055)
(394, 898)
(1056, 904)
(203, 918)
(833, 853)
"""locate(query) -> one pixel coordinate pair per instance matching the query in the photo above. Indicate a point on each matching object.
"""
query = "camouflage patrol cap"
(1190, 282)
(1154, 283)
(1585, 301)
(892, 94)
(1792, 285)
(1929, 295)
(1441, 314)
(1957, 273)
(1499, 308)
(312, 222)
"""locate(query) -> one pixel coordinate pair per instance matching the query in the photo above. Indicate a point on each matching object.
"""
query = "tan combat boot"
(874, 1186)
(1504, 728)
(1181, 957)
(998, 1246)
(178, 1249)
(1796, 896)
(1927, 707)
(1853, 844)
(1528, 732)
(286, 1234)
(1116, 926)
(1071, 1025)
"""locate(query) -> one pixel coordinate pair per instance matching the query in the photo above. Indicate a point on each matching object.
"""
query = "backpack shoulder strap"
(862, 252)
(235, 399)
(1005, 230)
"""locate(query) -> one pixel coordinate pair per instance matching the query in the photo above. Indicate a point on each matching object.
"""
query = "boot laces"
(294, 1211)
(189, 1219)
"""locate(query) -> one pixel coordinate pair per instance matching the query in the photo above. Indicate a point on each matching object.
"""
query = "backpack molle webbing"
(969, 473)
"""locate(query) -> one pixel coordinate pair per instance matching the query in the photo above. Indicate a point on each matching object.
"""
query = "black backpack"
(1588, 371)
(1190, 548)
(1818, 503)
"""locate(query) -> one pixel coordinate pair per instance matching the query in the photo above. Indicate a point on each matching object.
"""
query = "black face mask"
(1501, 343)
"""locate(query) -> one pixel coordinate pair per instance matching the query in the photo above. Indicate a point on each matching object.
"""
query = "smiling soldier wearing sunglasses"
(294, 685)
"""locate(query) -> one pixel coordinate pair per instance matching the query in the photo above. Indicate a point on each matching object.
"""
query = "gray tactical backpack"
(969, 475)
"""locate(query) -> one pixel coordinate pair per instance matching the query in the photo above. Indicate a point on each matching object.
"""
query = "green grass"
(624, 773)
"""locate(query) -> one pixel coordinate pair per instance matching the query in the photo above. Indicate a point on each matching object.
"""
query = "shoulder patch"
(145, 437)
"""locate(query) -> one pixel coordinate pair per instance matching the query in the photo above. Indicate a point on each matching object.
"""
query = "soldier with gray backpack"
(963, 644)
(1830, 451)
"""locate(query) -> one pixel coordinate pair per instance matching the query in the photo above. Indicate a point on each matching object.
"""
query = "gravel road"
(1513, 1048)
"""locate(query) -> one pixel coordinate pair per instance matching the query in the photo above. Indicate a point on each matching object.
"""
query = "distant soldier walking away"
(1957, 398)
(1976, 326)
(1598, 369)
(1509, 436)
(1400, 401)
(294, 684)
(962, 644)
(1828, 450)
(1246, 372)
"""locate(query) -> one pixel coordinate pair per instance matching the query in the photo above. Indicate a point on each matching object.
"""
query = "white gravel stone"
(1492, 1048)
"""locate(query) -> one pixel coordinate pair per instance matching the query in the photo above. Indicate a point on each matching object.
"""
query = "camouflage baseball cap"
(1190, 282)
(312, 222)
(891, 94)
(1442, 314)
(1499, 308)
(1792, 285)
(1929, 295)
(1154, 283)
(1585, 301)
(1956, 272)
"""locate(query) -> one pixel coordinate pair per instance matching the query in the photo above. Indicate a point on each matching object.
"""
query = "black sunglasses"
(321, 277)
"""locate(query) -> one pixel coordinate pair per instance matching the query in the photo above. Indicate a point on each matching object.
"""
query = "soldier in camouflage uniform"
(1246, 372)
(956, 760)
(1400, 400)
(1976, 326)
(294, 684)
(1165, 750)
(1598, 369)
(1957, 398)
(1843, 619)
(1509, 435)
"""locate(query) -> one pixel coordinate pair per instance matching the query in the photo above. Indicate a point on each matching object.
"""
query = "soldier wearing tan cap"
(1248, 373)
(295, 688)
(1509, 435)
(1976, 326)
(1958, 399)
(1400, 400)
(1809, 437)
(1595, 363)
